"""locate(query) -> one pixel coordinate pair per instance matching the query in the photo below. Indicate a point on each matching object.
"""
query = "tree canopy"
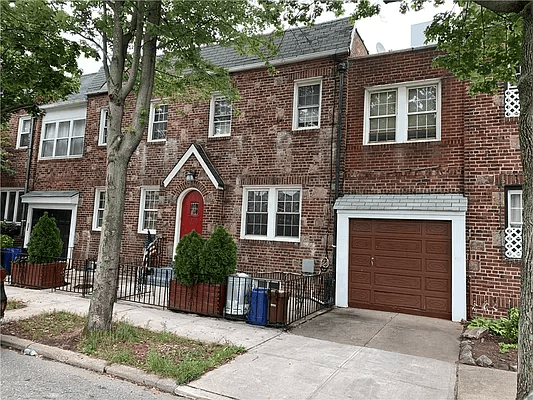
(37, 63)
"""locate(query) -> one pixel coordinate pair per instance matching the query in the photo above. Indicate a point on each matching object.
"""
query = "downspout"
(342, 67)
(27, 180)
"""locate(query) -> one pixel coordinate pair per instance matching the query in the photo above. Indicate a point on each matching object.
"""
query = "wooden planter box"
(38, 275)
(202, 298)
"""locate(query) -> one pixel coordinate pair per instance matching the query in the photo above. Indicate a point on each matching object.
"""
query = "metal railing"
(260, 298)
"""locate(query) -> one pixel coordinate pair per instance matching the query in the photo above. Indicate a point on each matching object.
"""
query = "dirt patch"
(488, 346)
(66, 341)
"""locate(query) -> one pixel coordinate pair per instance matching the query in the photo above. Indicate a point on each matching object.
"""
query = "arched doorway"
(192, 213)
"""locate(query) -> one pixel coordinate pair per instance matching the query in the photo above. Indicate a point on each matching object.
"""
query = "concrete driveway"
(399, 333)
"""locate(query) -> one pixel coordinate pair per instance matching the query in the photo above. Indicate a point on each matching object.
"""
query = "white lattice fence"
(513, 242)
(512, 103)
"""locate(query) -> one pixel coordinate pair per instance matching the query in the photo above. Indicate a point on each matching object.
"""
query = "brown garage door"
(401, 266)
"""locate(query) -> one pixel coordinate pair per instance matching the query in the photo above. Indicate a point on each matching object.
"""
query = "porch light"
(189, 176)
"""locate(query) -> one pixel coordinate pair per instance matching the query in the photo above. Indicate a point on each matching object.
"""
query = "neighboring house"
(430, 213)
(262, 167)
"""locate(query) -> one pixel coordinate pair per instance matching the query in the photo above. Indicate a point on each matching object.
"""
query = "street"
(27, 377)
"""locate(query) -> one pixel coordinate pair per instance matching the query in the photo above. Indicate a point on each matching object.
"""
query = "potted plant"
(201, 269)
(42, 269)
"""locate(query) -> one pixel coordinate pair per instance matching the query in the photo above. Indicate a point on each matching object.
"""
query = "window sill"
(219, 136)
(406, 142)
(271, 239)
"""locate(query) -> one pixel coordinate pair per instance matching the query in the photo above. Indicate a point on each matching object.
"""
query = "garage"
(402, 253)
(401, 266)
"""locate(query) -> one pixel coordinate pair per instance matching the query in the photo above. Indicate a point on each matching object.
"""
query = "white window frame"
(20, 132)
(300, 83)
(98, 192)
(402, 91)
(214, 98)
(18, 203)
(513, 240)
(55, 139)
(104, 127)
(142, 209)
(153, 106)
(271, 213)
(510, 223)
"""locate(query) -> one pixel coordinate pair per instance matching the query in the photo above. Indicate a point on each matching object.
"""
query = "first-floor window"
(272, 213)
(11, 205)
(513, 231)
(99, 205)
(148, 210)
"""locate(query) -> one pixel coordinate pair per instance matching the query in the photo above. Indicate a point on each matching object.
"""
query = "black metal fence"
(260, 298)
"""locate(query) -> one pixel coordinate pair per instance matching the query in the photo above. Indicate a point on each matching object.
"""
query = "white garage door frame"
(458, 221)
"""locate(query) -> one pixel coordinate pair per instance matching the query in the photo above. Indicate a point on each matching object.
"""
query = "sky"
(391, 28)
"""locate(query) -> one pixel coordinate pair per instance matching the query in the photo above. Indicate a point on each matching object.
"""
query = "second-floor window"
(402, 113)
(157, 130)
(104, 123)
(307, 104)
(220, 117)
(63, 139)
(23, 138)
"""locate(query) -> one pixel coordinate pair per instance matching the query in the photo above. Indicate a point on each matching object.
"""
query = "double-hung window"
(513, 231)
(11, 205)
(307, 104)
(63, 139)
(23, 138)
(157, 130)
(220, 117)
(271, 213)
(148, 209)
(99, 205)
(104, 124)
(402, 113)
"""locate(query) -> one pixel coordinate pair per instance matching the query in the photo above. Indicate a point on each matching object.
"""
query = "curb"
(93, 364)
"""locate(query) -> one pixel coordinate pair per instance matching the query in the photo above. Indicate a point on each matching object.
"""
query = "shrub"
(6, 241)
(219, 258)
(45, 243)
(505, 327)
(187, 262)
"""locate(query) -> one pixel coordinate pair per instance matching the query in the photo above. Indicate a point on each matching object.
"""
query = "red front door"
(192, 213)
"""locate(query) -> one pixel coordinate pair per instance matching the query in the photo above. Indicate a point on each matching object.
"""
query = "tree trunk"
(525, 335)
(121, 143)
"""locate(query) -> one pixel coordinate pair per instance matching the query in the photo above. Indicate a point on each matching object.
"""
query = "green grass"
(162, 353)
(14, 304)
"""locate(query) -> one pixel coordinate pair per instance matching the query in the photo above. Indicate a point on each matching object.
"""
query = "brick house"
(428, 218)
(431, 192)
(263, 171)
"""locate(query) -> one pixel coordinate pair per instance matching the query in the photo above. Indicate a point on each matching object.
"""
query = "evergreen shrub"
(45, 243)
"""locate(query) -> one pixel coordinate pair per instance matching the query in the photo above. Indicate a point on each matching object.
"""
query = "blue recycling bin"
(257, 315)
(10, 254)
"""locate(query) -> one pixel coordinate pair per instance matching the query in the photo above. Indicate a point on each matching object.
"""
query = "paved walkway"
(280, 365)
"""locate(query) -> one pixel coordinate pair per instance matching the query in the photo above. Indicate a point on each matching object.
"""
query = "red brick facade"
(477, 156)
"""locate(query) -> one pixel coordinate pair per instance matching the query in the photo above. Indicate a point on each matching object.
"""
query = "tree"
(37, 63)
(484, 42)
(154, 47)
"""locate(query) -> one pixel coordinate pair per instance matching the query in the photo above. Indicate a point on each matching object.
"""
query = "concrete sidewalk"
(280, 365)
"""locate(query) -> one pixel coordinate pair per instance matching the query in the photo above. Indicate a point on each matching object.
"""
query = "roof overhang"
(196, 151)
(51, 197)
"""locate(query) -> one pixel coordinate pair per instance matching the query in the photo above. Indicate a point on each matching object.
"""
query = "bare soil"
(488, 346)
